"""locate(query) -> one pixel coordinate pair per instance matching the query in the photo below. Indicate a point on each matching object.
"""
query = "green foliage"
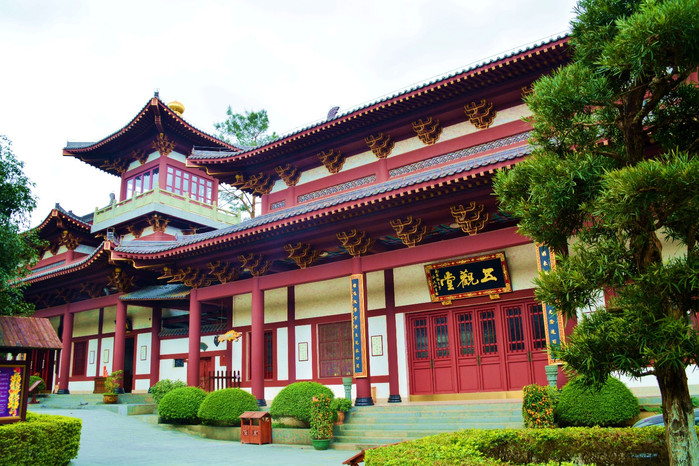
(17, 251)
(605, 208)
(113, 382)
(247, 129)
(43, 440)
(41, 386)
(573, 445)
(162, 387)
(612, 406)
(181, 406)
(224, 407)
(322, 414)
(341, 404)
(294, 400)
(539, 406)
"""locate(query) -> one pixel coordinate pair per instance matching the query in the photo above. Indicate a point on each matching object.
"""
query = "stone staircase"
(372, 426)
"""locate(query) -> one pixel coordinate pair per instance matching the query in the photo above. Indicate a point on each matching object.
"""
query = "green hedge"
(42, 440)
(294, 400)
(162, 387)
(181, 405)
(224, 407)
(594, 445)
(612, 406)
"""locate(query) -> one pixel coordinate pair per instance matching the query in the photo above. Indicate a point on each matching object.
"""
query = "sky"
(81, 70)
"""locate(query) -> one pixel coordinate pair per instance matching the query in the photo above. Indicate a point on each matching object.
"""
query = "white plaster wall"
(141, 386)
(304, 369)
(275, 305)
(402, 350)
(237, 355)
(455, 131)
(411, 285)
(136, 164)
(378, 365)
(511, 114)
(360, 159)
(242, 310)
(142, 367)
(109, 319)
(87, 386)
(382, 391)
(86, 323)
(376, 293)
(521, 262)
(174, 156)
(169, 371)
(405, 146)
(174, 346)
(325, 298)
(282, 354)
(91, 368)
(107, 344)
(140, 316)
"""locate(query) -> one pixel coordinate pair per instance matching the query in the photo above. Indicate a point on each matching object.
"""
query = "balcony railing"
(158, 196)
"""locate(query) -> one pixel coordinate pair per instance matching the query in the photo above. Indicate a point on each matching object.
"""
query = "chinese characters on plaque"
(476, 276)
(359, 363)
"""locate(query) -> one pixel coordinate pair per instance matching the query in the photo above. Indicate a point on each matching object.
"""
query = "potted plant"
(111, 384)
(340, 406)
(321, 422)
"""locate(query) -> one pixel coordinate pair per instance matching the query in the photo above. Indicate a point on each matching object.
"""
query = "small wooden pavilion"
(20, 337)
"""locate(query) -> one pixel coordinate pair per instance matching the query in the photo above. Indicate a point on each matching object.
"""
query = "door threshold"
(504, 395)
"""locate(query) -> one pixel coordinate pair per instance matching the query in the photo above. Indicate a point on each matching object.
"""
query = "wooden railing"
(218, 380)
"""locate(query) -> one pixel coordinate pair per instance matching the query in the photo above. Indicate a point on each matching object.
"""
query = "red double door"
(477, 349)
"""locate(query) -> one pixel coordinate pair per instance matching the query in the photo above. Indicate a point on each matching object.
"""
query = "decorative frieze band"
(336, 189)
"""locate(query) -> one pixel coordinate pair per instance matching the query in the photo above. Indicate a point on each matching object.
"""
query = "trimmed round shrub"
(181, 405)
(164, 386)
(612, 406)
(41, 386)
(295, 400)
(224, 407)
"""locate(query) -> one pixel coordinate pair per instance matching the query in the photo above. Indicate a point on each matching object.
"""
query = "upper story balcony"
(163, 202)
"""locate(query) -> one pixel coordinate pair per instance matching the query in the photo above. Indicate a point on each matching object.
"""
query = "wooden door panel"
(469, 378)
(491, 377)
(422, 380)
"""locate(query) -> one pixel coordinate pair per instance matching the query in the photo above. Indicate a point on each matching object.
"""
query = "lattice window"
(79, 357)
(489, 344)
(467, 345)
(536, 317)
(421, 341)
(515, 329)
(335, 349)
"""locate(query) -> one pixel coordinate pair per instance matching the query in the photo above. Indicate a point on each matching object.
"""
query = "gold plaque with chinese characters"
(465, 278)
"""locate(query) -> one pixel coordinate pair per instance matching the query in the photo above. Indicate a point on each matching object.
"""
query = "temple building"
(379, 253)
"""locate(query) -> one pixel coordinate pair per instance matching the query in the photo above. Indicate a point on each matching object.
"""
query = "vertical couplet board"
(13, 396)
(359, 330)
(553, 320)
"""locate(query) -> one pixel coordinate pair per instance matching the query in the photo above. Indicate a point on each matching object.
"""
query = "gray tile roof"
(82, 261)
(145, 247)
(212, 154)
(168, 291)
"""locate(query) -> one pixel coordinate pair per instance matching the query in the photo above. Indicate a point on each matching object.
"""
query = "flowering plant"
(538, 406)
(321, 418)
(113, 382)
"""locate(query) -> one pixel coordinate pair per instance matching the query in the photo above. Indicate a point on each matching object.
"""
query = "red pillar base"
(63, 391)
(363, 393)
(261, 403)
(395, 399)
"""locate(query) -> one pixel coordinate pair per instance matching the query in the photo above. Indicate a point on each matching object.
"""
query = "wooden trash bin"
(255, 427)
(99, 385)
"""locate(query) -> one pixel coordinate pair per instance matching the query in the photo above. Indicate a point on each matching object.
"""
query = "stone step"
(378, 417)
(508, 405)
(481, 424)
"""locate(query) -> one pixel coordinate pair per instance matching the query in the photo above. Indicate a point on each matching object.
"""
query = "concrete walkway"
(108, 438)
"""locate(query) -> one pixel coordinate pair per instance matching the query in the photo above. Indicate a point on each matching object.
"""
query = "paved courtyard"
(109, 438)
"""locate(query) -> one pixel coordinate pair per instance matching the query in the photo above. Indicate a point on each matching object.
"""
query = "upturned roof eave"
(175, 249)
(410, 93)
(92, 148)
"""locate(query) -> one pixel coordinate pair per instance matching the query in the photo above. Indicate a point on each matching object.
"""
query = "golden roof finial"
(176, 107)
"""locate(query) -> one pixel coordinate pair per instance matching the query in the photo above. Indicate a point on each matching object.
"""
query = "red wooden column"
(119, 339)
(391, 346)
(155, 345)
(65, 351)
(194, 339)
(229, 345)
(258, 342)
(291, 333)
(363, 383)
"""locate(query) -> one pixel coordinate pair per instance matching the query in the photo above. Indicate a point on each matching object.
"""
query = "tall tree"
(613, 176)
(247, 130)
(17, 250)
